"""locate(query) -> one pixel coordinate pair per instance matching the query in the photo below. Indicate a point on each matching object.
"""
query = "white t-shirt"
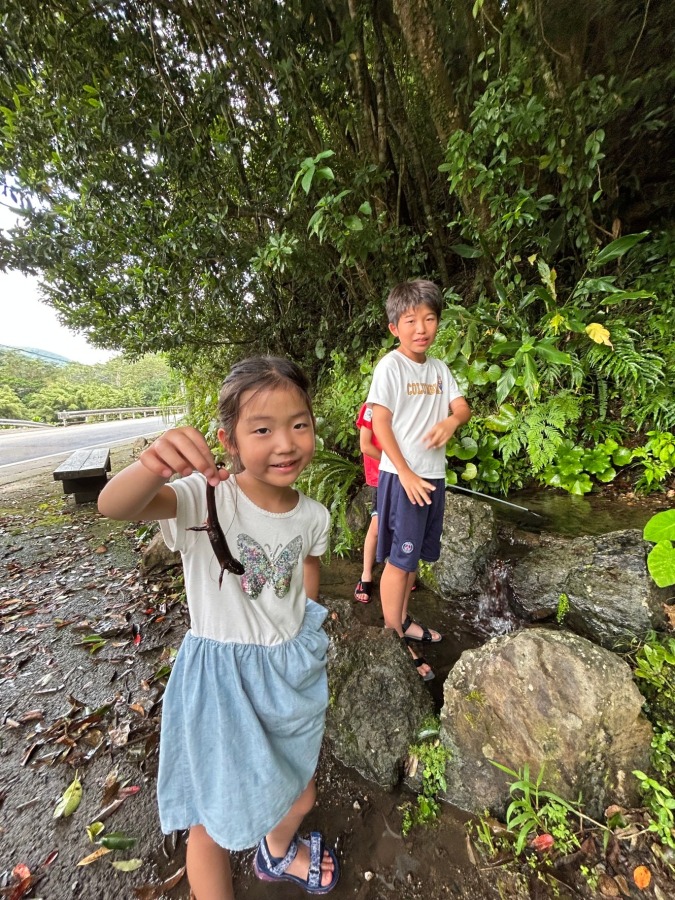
(266, 605)
(419, 396)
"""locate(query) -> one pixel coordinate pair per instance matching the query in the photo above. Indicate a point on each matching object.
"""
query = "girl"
(244, 708)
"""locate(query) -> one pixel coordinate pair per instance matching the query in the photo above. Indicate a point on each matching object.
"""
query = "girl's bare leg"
(208, 867)
(279, 839)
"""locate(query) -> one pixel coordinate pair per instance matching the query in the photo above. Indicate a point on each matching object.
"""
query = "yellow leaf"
(598, 333)
(70, 800)
(556, 322)
(97, 854)
(128, 865)
(532, 259)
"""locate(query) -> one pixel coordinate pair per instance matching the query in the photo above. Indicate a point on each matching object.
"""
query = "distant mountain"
(36, 353)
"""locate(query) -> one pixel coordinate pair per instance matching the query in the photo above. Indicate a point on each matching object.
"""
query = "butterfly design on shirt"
(261, 569)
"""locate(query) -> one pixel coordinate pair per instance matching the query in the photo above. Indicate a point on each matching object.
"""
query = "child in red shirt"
(372, 452)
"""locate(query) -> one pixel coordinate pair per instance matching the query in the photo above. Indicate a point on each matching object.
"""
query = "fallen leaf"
(127, 865)
(22, 888)
(623, 885)
(101, 549)
(156, 891)
(97, 854)
(542, 842)
(70, 800)
(607, 886)
(642, 877)
(20, 871)
(669, 610)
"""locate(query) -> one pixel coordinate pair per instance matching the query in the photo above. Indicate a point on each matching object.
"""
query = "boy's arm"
(440, 434)
(416, 488)
(366, 444)
(312, 576)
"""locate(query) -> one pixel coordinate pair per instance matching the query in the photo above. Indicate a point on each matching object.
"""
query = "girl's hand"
(182, 450)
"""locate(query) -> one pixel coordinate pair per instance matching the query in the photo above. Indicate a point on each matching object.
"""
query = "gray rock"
(469, 542)
(548, 698)
(157, 557)
(377, 703)
(358, 514)
(610, 594)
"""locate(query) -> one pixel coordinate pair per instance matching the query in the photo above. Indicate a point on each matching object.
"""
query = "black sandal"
(363, 587)
(425, 636)
(419, 661)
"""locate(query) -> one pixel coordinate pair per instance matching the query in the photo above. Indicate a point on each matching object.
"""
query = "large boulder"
(157, 557)
(609, 596)
(468, 544)
(543, 698)
(377, 703)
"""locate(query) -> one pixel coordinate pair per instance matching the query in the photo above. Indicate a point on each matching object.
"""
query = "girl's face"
(274, 435)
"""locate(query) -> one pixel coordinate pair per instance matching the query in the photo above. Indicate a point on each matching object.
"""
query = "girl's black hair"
(257, 373)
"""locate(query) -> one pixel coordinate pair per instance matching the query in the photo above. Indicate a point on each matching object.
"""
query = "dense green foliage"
(215, 180)
(33, 389)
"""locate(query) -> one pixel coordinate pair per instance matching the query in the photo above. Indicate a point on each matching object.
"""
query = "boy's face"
(416, 330)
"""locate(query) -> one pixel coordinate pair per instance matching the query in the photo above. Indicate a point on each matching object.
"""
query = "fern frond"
(329, 478)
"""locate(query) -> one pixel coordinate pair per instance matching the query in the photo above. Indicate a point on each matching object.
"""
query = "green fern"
(624, 362)
(541, 429)
(330, 478)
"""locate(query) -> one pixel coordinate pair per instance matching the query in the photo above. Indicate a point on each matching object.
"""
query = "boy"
(411, 395)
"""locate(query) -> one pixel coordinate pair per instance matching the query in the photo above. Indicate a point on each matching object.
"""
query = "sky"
(25, 321)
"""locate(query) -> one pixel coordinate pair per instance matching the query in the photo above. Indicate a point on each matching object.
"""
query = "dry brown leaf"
(642, 877)
(623, 885)
(608, 887)
(155, 891)
(97, 854)
(669, 610)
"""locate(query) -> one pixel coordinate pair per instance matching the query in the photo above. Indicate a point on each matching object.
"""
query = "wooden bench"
(84, 474)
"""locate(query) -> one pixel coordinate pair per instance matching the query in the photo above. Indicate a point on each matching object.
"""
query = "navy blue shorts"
(407, 532)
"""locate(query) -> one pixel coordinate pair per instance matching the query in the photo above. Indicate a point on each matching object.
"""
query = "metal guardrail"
(122, 412)
(24, 423)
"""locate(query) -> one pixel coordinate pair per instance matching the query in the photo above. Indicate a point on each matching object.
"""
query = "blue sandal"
(272, 868)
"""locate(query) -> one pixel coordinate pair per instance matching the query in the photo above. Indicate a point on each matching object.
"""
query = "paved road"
(28, 449)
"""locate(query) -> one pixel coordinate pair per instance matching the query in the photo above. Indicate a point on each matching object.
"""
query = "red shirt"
(371, 466)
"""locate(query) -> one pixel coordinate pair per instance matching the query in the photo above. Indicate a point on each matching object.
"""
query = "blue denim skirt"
(242, 726)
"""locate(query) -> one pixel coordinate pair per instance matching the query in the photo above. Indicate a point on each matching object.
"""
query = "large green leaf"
(661, 564)
(617, 248)
(661, 527)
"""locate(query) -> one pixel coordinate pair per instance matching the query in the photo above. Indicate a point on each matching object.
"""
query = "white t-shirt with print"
(419, 396)
(266, 605)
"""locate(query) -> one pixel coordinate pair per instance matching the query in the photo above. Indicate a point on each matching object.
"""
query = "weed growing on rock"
(432, 756)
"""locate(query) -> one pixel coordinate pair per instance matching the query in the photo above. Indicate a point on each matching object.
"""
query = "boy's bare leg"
(279, 839)
(411, 581)
(369, 550)
(208, 867)
(395, 586)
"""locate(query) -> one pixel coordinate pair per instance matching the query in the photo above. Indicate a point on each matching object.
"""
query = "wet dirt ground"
(84, 646)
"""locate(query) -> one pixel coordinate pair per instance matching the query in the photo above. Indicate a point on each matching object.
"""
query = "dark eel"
(217, 537)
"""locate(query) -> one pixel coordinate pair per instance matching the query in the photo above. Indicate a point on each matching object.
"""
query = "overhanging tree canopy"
(158, 145)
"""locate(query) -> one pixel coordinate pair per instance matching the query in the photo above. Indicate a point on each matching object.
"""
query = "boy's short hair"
(410, 295)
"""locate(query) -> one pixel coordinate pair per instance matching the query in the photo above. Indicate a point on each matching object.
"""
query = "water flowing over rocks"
(377, 703)
(469, 541)
(611, 597)
(543, 698)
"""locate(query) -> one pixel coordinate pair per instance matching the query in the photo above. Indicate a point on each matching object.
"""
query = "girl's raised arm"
(140, 491)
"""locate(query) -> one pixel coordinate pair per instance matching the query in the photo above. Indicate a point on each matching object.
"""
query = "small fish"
(217, 538)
